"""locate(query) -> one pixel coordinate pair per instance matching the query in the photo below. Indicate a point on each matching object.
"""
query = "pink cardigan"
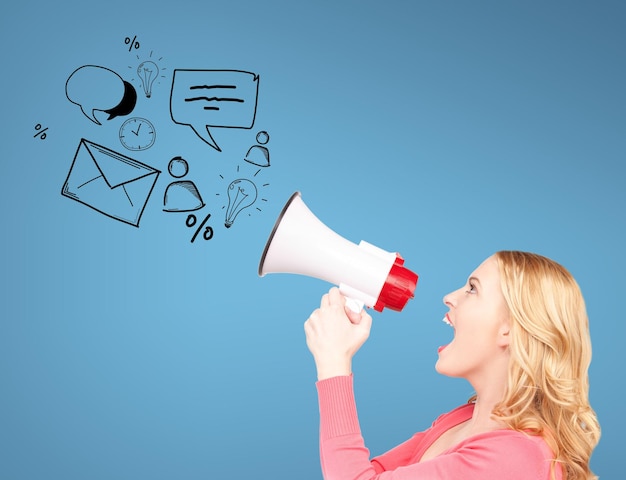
(501, 454)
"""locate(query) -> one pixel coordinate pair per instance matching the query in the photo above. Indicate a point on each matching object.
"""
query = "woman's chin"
(440, 365)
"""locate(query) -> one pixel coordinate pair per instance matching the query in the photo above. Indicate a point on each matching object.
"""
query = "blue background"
(441, 130)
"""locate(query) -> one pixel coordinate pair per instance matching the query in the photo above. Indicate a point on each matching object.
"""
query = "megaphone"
(367, 275)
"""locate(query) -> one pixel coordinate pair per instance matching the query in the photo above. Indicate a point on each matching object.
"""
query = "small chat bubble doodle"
(214, 98)
(92, 88)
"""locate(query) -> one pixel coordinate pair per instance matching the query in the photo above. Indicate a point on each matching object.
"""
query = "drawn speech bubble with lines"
(214, 98)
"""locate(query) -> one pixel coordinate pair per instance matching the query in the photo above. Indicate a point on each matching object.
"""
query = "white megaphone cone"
(367, 275)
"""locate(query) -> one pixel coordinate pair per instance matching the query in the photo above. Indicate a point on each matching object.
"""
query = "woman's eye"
(472, 288)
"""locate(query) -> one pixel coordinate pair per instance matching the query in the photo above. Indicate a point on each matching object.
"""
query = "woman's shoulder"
(518, 447)
(533, 445)
(521, 450)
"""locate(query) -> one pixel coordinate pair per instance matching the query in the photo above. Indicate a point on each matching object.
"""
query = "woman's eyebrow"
(474, 280)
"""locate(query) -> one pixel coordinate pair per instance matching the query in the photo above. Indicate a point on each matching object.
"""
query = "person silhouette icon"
(259, 154)
(181, 195)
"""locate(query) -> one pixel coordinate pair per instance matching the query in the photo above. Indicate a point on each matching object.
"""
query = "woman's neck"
(488, 395)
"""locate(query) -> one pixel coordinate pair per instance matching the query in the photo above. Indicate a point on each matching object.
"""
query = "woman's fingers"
(325, 301)
(335, 297)
(354, 317)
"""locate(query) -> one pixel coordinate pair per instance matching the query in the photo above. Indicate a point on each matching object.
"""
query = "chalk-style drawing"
(259, 154)
(242, 193)
(94, 88)
(149, 72)
(40, 133)
(137, 133)
(110, 183)
(181, 195)
(207, 233)
(214, 98)
(132, 43)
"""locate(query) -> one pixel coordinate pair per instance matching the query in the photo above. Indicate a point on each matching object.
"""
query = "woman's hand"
(334, 333)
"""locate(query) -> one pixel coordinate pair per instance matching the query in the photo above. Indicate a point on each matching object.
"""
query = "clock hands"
(142, 139)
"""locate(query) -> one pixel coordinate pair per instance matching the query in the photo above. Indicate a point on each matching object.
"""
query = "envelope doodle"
(109, 182)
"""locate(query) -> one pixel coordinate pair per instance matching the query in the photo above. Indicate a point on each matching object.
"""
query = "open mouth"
(447, 321)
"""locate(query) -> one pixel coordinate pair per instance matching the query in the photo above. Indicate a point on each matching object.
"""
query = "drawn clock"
(137, 133)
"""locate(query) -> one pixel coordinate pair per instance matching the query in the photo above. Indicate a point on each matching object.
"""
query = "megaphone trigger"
(353, 304)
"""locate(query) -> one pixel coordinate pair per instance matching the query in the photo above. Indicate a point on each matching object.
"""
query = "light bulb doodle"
(148, 72)
(250, 186)
(242, 193)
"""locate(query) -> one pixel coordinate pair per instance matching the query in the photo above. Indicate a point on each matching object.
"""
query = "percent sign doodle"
(132, 43)
(41, 134)
(208, 231)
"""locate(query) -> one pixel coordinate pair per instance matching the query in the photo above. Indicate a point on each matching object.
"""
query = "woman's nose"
(450, 299)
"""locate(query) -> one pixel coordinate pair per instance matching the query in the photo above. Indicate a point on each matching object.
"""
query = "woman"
(521, 339)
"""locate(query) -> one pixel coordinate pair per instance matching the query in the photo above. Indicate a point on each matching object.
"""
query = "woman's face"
(480, 318)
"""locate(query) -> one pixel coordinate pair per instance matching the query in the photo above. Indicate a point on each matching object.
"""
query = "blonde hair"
(548, 383)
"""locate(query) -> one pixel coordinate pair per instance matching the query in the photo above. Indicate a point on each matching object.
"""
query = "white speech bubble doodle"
(97, 88)
(214, 98)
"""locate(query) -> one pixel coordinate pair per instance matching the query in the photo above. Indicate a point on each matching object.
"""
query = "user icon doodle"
(181, 195)
(259, 154)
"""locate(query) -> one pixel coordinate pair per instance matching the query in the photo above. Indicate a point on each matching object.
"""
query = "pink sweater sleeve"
(501, 454)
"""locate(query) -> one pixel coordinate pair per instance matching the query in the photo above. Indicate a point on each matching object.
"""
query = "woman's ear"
(504, 334)
(504, 339)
